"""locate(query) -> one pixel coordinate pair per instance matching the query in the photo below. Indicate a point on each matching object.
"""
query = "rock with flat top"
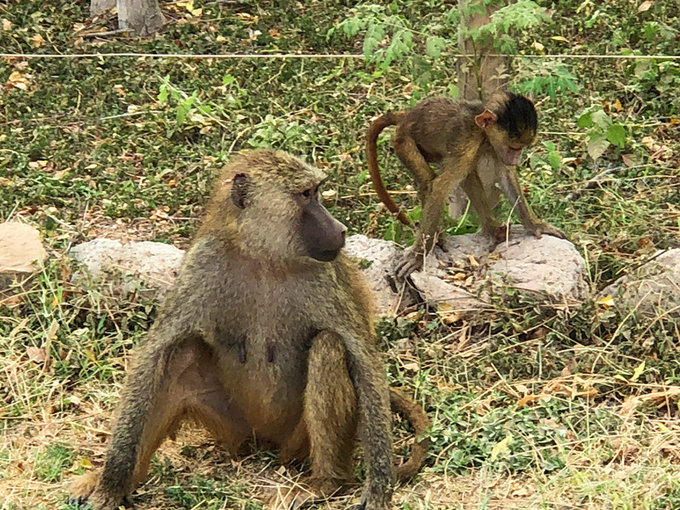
(548, 266)
(466, 270)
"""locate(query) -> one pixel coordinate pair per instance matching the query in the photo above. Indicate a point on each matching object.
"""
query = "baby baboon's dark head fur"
(517, 116)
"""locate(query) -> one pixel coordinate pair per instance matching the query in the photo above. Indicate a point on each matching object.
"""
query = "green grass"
(535, 407)
(50, 463)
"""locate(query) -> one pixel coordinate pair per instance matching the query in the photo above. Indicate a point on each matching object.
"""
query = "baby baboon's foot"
(410, 261)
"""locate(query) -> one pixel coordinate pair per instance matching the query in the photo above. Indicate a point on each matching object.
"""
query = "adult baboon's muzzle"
(322, 234)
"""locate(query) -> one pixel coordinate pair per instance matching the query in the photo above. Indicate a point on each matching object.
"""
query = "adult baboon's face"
(287, 221)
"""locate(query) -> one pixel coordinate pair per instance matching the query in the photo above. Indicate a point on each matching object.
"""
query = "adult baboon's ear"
(239, 190)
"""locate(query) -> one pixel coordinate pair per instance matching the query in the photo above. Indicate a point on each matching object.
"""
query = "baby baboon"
(266, 333)
(456, 134)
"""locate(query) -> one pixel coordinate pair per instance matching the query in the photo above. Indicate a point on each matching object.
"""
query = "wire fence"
(314, 56)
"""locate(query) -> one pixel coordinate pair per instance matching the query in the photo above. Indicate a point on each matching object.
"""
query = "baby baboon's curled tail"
(376, 127)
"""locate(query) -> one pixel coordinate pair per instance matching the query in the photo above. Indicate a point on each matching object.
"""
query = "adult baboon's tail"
(415, 414)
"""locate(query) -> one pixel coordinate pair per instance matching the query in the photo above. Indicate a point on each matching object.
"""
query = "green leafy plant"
(281, 133)
(388, 37)
(379, 22)
(543, 77)
(553, 159)
(191, 111)
(520, 15)
(382, 23)
(654, 77)
(601, 131)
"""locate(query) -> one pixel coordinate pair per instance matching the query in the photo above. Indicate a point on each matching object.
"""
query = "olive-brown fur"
(259, 339)
(456, 135)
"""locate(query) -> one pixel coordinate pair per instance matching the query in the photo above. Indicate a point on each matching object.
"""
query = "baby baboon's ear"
(486, 119)
(240, 185)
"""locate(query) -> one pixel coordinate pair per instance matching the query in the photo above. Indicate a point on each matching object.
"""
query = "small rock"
(153, 264)
(21, 251)
(652, 289)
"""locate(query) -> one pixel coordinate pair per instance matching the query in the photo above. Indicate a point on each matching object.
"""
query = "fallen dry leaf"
(528, 399)
(607, 301)
(118, 89)
(645, 6)
(473, 261)
(18, 80)
(37, 41)
(36, 354)
(412, 366)
(630, 160)
(160, 213)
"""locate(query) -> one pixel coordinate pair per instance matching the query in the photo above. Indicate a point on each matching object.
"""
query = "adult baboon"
(266, 333)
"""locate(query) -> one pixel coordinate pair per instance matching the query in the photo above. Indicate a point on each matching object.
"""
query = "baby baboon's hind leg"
(413, 159)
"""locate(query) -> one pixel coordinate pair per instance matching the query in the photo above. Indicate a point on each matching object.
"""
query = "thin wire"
(178, 55)
(312, 56)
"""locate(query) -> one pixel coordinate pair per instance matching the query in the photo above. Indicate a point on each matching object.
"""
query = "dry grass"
(617, 439)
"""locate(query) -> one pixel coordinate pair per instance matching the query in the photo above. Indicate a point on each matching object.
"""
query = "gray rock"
(436, 291)
(652, 289)
(458, 279)
(155, 265)
(547, 265)
(21, 251)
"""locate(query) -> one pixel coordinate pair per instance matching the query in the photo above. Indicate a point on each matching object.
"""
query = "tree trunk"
(98, 7)
(479, 77)
(141, 17)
